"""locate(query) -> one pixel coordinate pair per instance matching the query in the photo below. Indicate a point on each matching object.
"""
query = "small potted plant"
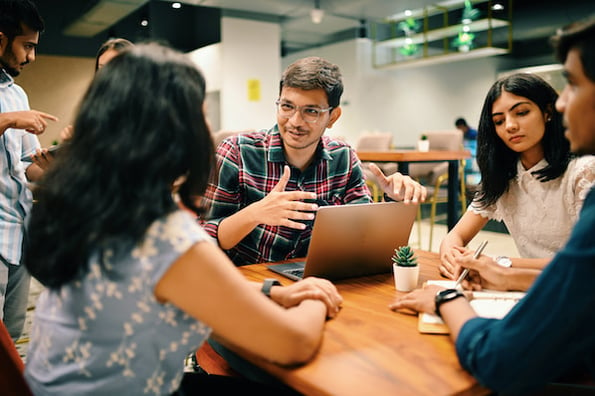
(405, 268)
(423, 144)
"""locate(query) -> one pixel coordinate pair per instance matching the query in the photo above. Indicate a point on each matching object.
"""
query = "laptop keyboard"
(296, 272)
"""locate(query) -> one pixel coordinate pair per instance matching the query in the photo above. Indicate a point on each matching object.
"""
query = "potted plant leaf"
(405, 268)
(423, 144)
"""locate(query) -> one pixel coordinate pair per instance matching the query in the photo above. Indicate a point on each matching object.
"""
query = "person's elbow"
(301, 347)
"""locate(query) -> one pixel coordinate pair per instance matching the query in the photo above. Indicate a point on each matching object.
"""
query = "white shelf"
(437, 34)
(436, 59)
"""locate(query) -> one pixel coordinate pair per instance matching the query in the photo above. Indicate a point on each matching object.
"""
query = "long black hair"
(498, 163)
(141, 127)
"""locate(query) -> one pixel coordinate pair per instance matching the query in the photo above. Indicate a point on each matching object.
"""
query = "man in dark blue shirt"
(548, 335)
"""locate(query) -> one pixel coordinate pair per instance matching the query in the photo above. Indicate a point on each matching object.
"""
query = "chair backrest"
(220, 135)
(12, 381)
(447, 140)
(374, 141)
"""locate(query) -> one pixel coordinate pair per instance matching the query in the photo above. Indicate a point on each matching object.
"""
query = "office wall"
(55, 85)
(242, 74)
(406, 101)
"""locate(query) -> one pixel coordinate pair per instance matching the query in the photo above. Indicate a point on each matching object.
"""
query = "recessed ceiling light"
(408, 13)
(144, 22)
(497, 7)
(176, 5)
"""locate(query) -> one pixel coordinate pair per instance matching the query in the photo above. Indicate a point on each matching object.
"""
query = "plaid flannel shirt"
(250, 165)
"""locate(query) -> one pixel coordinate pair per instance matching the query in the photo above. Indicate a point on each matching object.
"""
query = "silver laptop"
(353, 240)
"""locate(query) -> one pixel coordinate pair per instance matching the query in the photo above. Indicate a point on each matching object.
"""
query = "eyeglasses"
(308, 113)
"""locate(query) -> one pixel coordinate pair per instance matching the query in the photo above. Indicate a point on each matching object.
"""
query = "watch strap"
(267, 285)
(444, 296)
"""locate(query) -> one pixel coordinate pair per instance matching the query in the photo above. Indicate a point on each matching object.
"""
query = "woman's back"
(107, 333)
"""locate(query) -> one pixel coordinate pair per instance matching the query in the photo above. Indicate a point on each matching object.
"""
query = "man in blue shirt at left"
(20, 26)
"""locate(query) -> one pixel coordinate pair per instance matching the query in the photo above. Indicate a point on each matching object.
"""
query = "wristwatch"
(266, 286)
(504, 261)
(446, 295)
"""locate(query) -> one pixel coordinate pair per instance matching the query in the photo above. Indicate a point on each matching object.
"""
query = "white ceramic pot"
(406, 278)
(423, 145)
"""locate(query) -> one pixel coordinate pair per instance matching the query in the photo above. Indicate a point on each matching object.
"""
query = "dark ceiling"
(195, 25)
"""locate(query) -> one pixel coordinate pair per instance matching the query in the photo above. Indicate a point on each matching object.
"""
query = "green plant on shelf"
(404, 257)
(409, 49)
(423, 137)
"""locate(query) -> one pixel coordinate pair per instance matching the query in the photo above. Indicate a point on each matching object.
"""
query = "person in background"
(132, 282)
(468, 132)
(527, 170)
(270, 183)
(469, 143)
(20, 26)
(548, 335)
(106, 53)
(109, 50)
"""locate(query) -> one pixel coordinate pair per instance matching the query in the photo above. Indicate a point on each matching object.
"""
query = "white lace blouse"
(540, 216)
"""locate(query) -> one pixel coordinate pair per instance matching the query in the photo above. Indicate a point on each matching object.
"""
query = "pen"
(475, 256)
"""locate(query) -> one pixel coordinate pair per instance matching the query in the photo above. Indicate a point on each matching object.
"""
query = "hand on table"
(398, 186)
(484, 273)
(310, 288)
(449, 268)
(419, 300)
(281, 208)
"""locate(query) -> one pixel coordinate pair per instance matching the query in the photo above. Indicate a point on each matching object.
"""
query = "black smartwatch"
(444, 296)
(266, 286)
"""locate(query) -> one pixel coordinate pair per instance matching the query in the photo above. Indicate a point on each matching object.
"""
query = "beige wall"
(55, 85)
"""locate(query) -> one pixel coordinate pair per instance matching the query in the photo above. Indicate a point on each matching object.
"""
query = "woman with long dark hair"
(133, 283)
(529, 180)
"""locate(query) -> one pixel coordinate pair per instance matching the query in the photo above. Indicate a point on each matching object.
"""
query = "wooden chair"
(435, 176)
(12, 381)
(376, 141)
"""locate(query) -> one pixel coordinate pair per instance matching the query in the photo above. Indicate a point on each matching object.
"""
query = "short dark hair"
(579, 35)
(498, 163)
(314, 73)
(116, 44)
(460, 122)
(16, 13)
(139, 129)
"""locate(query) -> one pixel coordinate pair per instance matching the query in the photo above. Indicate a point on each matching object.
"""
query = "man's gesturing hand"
(282, 207)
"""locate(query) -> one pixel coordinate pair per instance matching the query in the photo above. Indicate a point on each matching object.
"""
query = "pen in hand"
(466, 270)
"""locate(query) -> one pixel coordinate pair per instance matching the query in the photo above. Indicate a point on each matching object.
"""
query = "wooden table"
(370, 350)
(404, 157)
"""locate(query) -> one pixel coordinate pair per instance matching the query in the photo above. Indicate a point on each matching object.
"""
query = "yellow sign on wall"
(253, 90)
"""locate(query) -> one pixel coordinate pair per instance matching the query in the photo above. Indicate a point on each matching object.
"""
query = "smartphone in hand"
(52, 150)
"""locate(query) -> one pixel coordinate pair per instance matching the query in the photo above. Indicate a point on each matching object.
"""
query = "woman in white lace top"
(529, 180)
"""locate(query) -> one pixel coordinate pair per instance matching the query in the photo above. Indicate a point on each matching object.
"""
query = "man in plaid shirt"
(270, 183)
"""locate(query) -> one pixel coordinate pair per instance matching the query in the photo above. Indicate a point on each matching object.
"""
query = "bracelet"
(444, 296)
(267, 285)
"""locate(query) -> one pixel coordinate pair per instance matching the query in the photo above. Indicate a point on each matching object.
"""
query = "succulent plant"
(404, 257)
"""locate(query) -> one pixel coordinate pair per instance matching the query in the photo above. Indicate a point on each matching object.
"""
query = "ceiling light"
(408, 13)
(176, 5)
(316, 14)
(498, 7)
(144, 22)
